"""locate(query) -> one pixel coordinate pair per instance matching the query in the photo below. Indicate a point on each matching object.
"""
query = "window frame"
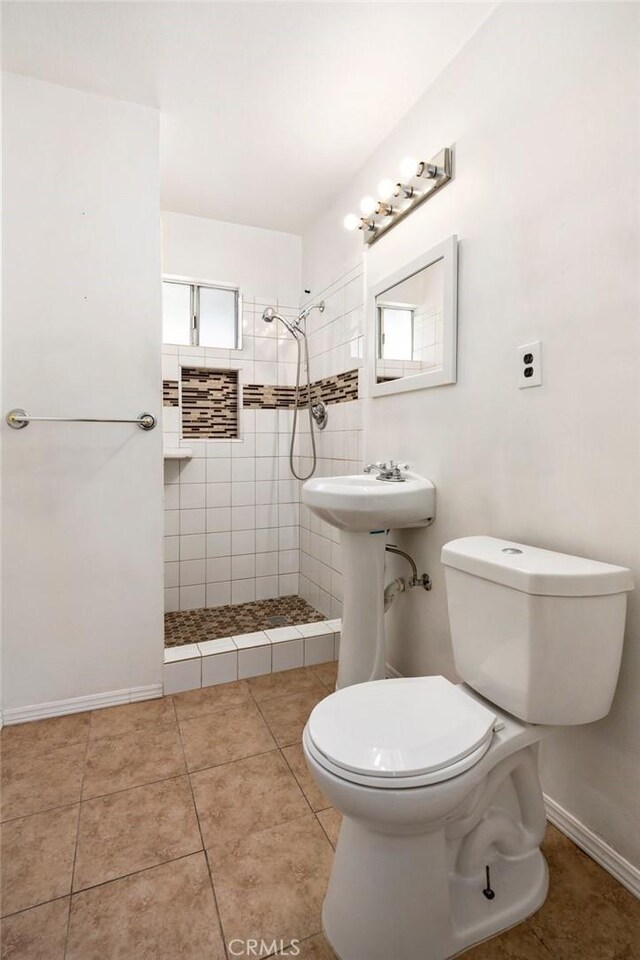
(194, 306)
(391, 305)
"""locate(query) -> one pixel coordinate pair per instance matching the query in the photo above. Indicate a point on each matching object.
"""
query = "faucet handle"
(370, 467)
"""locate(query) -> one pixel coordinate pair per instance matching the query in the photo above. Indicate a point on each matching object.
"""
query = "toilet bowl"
(443, 813)
(410, 864)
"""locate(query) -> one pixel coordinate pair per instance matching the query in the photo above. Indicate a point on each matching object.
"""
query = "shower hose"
(299, 341)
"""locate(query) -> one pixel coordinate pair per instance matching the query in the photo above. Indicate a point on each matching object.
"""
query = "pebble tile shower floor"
(211, 623)
(178, 828)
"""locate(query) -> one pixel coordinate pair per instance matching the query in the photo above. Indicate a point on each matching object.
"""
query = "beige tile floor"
(163, 830)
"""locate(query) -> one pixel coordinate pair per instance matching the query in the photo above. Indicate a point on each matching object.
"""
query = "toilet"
(443, 813)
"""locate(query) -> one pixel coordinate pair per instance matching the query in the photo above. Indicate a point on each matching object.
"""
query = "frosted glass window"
(176, 313)
(218, 317)
(396, 333)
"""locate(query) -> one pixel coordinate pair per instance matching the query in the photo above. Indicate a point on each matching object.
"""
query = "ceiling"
(266, 108)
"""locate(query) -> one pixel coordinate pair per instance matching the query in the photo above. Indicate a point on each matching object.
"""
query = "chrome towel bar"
(18, 419)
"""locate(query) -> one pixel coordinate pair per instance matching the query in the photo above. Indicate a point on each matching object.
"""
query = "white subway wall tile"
(218, 519)
(218, 594)
(218, 569)
(218, 544)
(192, 572)
(192, 597)
(193, 547)
(266, 587)
(192, 495)
(193, 471)
(243, 591)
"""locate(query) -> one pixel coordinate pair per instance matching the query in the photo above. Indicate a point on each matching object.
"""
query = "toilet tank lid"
(533, 570)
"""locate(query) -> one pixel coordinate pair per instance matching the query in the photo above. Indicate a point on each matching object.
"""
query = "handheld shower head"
(270, 315)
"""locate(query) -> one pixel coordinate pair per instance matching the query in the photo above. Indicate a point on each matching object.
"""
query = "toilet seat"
(399, 734)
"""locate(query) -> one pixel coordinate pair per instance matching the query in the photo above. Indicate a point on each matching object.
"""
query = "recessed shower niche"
(209, 403)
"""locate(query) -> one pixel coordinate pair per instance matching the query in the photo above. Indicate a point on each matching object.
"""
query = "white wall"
(263, 263)
(82, 505)
(232, 513)
(541, 106)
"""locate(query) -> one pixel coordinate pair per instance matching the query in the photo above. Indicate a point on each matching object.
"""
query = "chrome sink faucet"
(390, 471)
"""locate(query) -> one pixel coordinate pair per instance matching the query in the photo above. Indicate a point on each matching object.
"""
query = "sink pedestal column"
(362, 647)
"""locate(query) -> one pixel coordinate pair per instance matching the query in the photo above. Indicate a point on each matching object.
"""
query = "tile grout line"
(150, 725)
(204, 849)
(37, 813)
(316, 812)
(124, 876)
(34, 906)
(75, 848)
(531, 928)
(291, 771)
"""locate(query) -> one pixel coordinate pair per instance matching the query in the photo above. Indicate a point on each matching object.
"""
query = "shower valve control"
(530, 365)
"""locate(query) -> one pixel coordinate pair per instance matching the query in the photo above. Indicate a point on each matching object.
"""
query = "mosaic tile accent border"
(209, 403)
(210, 623)
(335, 389)
(210, 398)
(258, 396)
(170, 393)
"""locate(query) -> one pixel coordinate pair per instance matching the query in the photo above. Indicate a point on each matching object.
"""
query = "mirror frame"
(447, 251)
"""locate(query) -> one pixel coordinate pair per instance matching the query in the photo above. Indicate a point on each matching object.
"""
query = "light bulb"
(409, 168)
(386, 189)
(351, 222)
(368, 206)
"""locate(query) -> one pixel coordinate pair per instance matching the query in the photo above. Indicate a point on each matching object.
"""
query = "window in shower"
(200, 314)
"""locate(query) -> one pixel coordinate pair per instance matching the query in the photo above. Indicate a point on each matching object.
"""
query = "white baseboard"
(57, 708)
(597, 848)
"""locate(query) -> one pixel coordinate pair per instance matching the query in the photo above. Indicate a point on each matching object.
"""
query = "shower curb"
(226, 659)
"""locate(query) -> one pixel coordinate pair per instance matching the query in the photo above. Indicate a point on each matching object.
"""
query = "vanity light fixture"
(386, 189)
(368, 206)
(411, 168)
(378, 216)
(353, 222)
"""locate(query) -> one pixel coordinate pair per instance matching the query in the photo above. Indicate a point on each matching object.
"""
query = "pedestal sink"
(364, 507)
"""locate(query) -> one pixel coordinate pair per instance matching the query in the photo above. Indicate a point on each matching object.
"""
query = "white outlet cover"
(535, 378)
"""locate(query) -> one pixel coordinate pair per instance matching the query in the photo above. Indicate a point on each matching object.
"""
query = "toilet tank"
(537, 633)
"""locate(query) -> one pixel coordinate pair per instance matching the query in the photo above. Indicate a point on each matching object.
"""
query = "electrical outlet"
(530, 365)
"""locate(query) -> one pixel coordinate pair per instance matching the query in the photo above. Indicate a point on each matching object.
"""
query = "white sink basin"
(363, 503)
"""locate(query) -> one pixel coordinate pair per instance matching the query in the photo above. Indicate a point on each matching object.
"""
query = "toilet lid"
(400, 728)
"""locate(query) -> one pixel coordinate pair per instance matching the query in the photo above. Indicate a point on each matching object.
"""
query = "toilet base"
(392, 896)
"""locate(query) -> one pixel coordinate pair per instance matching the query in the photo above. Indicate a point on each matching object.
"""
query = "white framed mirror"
(412, 324)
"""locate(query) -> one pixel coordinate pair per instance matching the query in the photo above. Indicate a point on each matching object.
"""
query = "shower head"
(270, 315)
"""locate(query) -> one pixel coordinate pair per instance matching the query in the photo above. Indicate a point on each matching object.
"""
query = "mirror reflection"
(410, 325)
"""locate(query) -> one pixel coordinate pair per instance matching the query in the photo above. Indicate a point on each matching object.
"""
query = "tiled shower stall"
(235, 529)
